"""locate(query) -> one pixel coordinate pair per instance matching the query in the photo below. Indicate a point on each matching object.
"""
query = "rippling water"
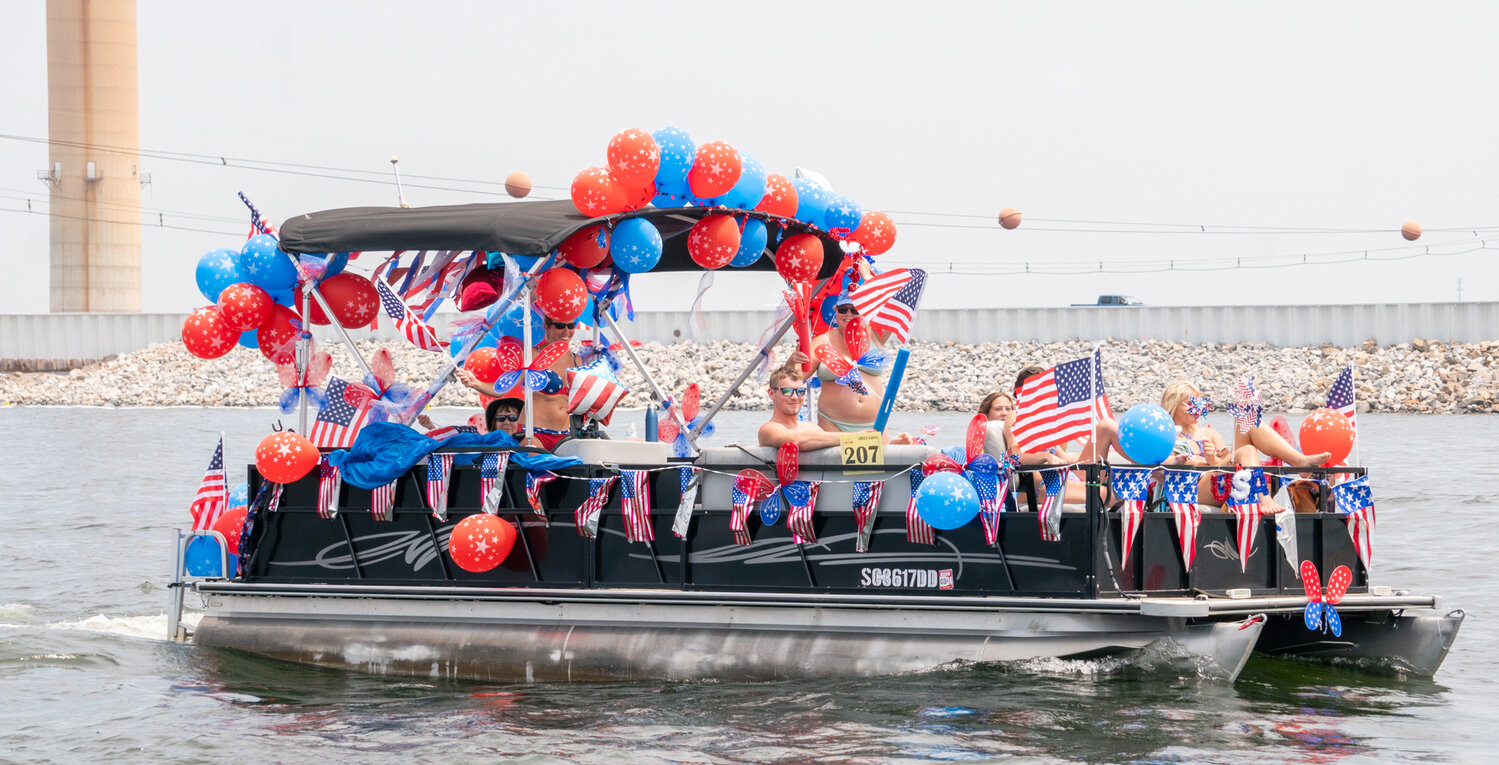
(88, 498)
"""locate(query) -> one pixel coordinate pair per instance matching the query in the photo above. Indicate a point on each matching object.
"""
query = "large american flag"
(1357, 504)
(212, 498)
(1181, 497)
(1340, 398)
(338, 421)
(889, 300)
(411, 326)
(1061, 404)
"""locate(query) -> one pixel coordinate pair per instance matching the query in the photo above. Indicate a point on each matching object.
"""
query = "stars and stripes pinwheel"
(510, 355)
(669, 432)
(1199, 406)
(1320, 614)
(386, 399)
(1246, 407)
(307, 385)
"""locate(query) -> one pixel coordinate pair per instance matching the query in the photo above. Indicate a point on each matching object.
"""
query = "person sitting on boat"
(504, 415)
(550, 420)
(999, 408)
(788, 391)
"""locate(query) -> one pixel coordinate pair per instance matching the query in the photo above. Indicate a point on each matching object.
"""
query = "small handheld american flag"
(1340, 398)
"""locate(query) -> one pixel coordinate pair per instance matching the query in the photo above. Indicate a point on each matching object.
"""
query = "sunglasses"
(847, 309)
(562, 324)
(802, 391)
(507, 418)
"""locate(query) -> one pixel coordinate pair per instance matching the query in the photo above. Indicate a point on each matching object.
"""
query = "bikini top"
(871, 364)
(556, 383)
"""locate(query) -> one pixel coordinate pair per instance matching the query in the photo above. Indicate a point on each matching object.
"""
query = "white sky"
(1322, 116)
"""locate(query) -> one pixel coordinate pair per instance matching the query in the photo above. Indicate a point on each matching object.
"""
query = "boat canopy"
(517, 228)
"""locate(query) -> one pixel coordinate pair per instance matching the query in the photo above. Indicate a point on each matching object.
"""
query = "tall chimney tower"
(93, 122)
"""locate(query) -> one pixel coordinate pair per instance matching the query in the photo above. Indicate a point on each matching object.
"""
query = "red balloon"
(231, 524)
(714, 241)
(285, 457)
(278, 334)
(799, 258)
(596, 192)
(634, 157)
(940, 463)
(585, 249)
(1325, 430)
(560, 294)
(780, 197)
(715, 170)
(641, 196)
(876, 232)
(207, 335)
(484, 363)
(973, 441)
(245, 306)
(352, 297)
(479, 542)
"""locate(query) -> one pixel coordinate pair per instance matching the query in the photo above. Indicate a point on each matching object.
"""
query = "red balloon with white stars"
(207, 335)
(585, 249)
(715, 170)
(799, 258)
(714, 241)
(597, 192)
(560, 294)
(780, 197)
(876, 233)
(231, 524)
(245, 306)
(278, 334)
(480, 542)
(352, 297)
(484, 363)
(1326, 430)
(637, 198)
(634, 157)
(285, 457)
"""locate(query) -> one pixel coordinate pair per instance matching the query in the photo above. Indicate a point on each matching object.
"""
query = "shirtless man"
(787, 392)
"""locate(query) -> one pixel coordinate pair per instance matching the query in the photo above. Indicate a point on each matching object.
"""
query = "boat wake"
(151, 627)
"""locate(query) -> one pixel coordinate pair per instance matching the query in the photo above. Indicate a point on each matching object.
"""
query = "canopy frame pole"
(343, 334)
(526, 354)
(661, 396)
(304, 352)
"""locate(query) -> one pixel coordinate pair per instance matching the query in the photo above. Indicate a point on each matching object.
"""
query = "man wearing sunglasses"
(787, 393)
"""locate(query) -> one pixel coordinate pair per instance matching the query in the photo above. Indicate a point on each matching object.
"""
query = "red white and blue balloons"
(811, 200)
(714, 241)
(206, 334)
(947, 501)
(780, 197)
(750, 188)
(715, 169)
(1147, 434)
(677, 152)
(634, 158)
(216, 270)
(635, 246)
(560, 294)
(277, 336)
(262, 263)
(352, 298)
(752, 241)
(843, 215)
(285, 456)
(1325, 430)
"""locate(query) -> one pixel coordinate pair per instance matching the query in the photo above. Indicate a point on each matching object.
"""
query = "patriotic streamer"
(1130, 487)
(635, 500)
(439, 471)
(866, 502)
(1357, 504)
(1285, 533)
(1181, 496)
(587, 516)
(1244, 500)
(917, 530)
(383, 501)
(801, 497)
(690, 478)
(535, 481)
(328, 482)
(491, 480)
(275, 503)
(1051, 510)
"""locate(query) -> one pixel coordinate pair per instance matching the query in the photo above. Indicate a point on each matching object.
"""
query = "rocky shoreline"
(1422, 377)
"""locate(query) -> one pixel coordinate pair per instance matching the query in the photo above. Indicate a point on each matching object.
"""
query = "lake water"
(88, 498)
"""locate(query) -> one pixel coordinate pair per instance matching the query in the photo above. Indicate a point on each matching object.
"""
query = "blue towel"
(384, 451)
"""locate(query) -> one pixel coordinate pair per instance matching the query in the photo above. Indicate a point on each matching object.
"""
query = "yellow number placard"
(861, 449)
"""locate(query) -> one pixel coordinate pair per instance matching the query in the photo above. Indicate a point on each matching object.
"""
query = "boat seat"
(819, 465)
(600, 451)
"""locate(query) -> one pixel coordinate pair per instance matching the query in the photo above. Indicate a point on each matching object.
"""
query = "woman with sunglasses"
(549, 418)
(841, 407)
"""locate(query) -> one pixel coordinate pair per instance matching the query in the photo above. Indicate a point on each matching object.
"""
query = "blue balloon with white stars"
(811, 201)
(635, 246)
(512, 324)
(947, 501)
(752, 241)
(668, 197)
(750, 188)
(1147, 434)
(677, 154)
(240, 494)
(264, 264)
(842, 212)
(216, 270)
(203, 557)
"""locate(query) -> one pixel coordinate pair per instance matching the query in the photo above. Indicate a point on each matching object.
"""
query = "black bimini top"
(518, 228)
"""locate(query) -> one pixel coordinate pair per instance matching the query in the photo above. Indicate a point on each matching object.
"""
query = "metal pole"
(646, 373)
(174, 602)
(342, 333)
(526, 354)
(304, 355)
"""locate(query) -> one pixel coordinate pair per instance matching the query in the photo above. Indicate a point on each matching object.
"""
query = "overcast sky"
(1154, 119)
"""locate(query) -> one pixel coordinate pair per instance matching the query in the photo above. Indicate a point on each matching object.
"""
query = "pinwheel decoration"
(1320, 614)
(1246, 407)
(792, 491)
(512, 368)
(940, 463)
(668, 432)
(386, 399)
(1199, 406)
(750, 486)
(309, 385)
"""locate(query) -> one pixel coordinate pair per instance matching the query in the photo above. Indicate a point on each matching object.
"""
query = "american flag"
(896, 316)
(866, 502)
(1357, 504)
(327, 488)
(1051, 509)
(1130, 486)
(917, 531)
(1061, 404)
(1248, 510)
(872, 295)
(1340, 398)
(801, 497)
(492, 480)
(739, 516)
(338, 421)
(383, 501)
(212, 498)
(688, 486)
(587, 516)
(1181, 497)
(594, 390)
(411, 326)
(448, 431)
(986, 482)
(535, 481)
(635, 501)
(439, 470)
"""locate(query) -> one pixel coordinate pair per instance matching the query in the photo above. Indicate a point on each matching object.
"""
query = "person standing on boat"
(788, 391)
(841, 406)
(549, 417)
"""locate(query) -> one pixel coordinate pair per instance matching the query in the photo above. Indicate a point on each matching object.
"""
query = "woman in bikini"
(549, 405)
(841, 407)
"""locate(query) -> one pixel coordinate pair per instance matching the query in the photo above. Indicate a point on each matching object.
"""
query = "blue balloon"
(265, 265)
(752, 241)
(336, 263)
(749, 190)
(947, 501)
(202, 557)
(513, 324)
(1147, 434)
(677, 154)
(635, 245)
(239, 495)
(216, 270)
(842, 212)
(829, 310)
(811, 201)
(287, 298)
(249, 339)
(672, 196)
